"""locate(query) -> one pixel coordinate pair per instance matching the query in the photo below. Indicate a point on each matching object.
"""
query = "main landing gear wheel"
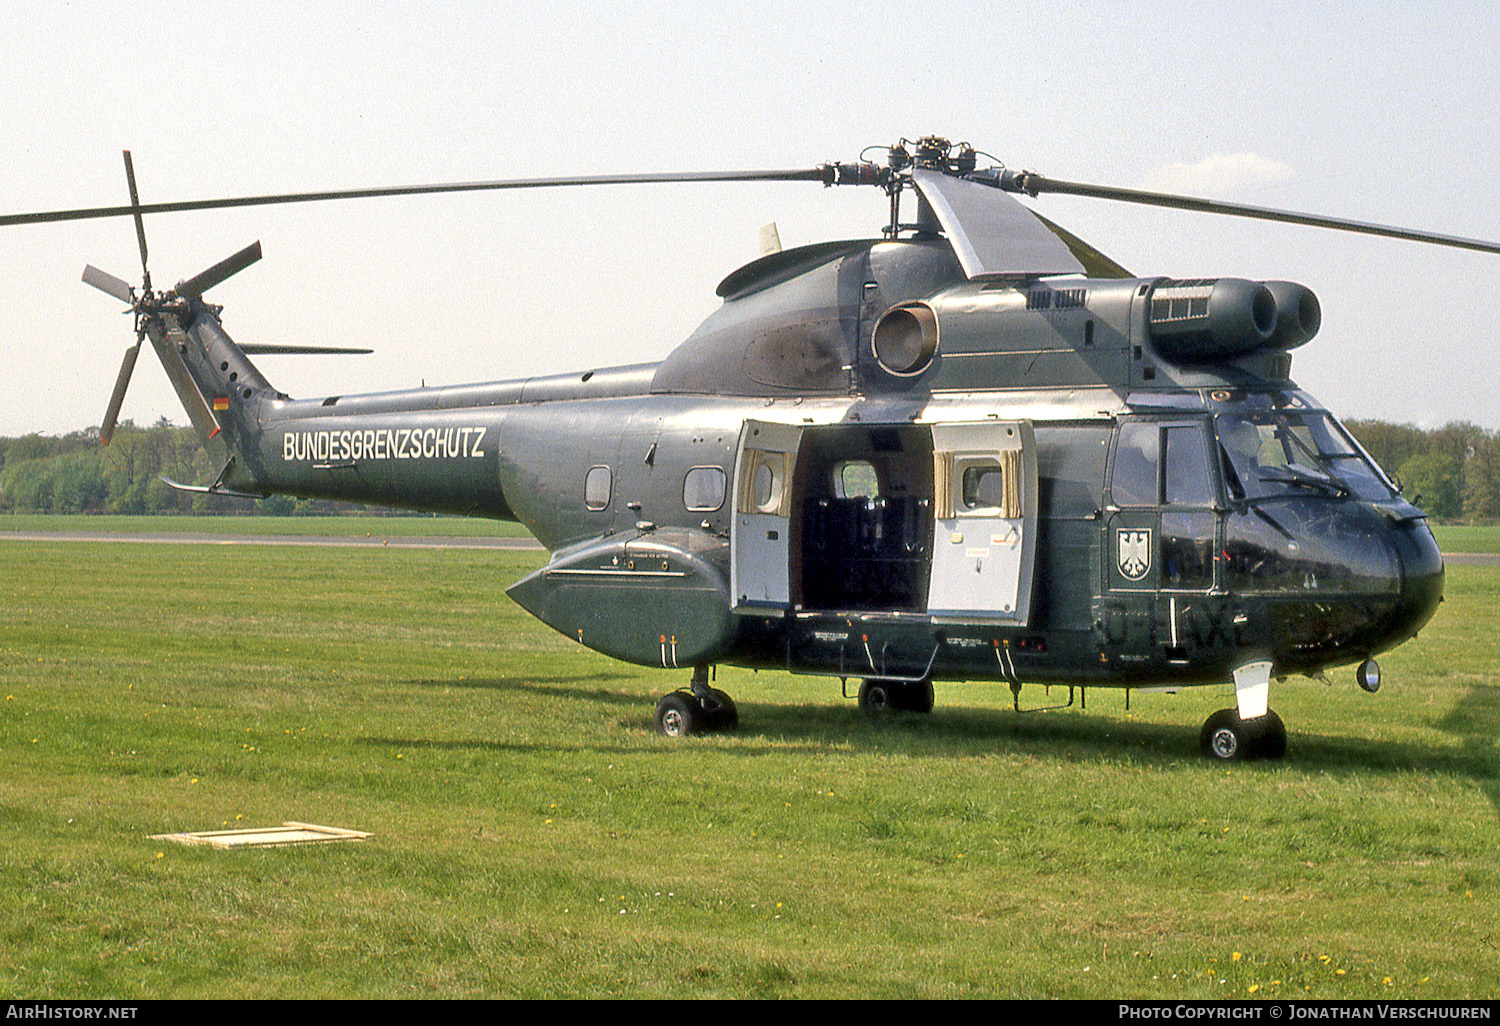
(1227, 738)
(683, 713)
(883, 696)
(679, 714)
(726, 716)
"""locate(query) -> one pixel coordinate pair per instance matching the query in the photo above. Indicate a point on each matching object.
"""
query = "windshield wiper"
(1294, 475)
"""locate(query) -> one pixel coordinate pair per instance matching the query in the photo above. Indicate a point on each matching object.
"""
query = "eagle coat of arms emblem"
(1133, 552)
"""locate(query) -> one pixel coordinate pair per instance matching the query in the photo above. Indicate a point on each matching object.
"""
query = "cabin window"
(856, 479)
(764, 489)
(596, 487)
(979, 486)
(703, 489)
(983, 488)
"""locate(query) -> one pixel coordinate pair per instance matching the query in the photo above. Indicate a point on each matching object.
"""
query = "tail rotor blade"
(112, 415)
(276, 349)
(202, 282)
(140, 225)
(106, 282)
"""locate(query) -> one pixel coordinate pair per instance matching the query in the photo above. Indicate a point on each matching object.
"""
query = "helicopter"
(972, 447)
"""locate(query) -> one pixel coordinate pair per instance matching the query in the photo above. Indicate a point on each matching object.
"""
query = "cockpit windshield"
(1283, 452)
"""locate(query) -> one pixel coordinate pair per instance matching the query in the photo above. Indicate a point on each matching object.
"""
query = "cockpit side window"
(1160, 464)
(1137, 468)
(1188, 480)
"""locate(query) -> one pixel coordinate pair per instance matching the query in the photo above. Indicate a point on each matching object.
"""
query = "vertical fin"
(770, 239)
(198, 410)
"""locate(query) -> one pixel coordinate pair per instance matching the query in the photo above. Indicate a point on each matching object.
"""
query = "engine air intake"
(1211, 318)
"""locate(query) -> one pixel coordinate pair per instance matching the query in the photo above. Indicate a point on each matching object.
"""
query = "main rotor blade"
(106, 282)
(86, 213)
(205, 280)
(1033, 184)
(117, 397)
(989, 237)
(1095, 264)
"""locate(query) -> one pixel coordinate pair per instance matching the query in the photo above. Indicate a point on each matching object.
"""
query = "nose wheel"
(696, 710)
(1227, 738)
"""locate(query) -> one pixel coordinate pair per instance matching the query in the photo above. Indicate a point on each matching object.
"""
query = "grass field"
(1454, 538)
(535, 838)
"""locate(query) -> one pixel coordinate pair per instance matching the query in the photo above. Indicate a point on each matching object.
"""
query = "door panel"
(761, 546)
(1131, 550)
(1162, 527)
(984, 535)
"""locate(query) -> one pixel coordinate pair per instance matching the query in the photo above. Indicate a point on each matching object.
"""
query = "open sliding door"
(760, 562)
(984, 531)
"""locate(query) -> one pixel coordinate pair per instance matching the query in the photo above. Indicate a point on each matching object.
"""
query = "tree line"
(1452, 472)
(73, 473)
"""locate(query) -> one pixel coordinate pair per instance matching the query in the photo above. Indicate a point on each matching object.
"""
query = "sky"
(1381, 112)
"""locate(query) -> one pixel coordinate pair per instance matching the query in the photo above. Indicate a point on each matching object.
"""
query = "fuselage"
(1299, 573)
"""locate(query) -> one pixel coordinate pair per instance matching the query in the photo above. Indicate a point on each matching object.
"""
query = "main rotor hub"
(933, 153)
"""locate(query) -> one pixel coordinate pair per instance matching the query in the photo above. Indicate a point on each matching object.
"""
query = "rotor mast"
(932, 153)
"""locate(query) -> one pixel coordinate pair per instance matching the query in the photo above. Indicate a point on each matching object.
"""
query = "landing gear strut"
(699, 709)
(1227, 738)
